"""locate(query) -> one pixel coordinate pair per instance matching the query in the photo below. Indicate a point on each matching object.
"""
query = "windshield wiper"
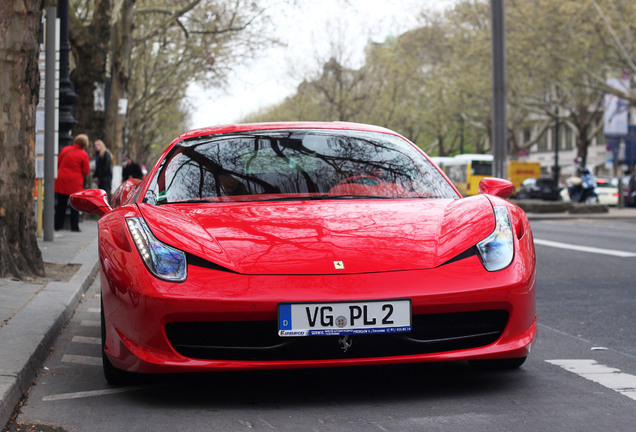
(295, 198)
(190, 201)
(357, 196)
(321, 197)
(325, 197)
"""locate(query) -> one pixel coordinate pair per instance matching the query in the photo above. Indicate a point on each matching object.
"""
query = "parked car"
(301, 245)
(607, 190)
(539, 188)
(629, 190)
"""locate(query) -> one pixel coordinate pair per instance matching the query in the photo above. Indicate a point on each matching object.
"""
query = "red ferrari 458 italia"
(298, 245)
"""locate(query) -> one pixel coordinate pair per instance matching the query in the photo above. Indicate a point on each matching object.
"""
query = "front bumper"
(219, 320)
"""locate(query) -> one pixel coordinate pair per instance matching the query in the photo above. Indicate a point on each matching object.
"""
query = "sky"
(274, 75)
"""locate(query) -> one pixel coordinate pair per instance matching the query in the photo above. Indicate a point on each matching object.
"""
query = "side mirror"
(496, 186)
(125, 192)
(93, 201)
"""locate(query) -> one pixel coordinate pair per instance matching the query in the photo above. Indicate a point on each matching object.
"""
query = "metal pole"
(49, 125)
(461, 137)
(557, 169)
(499, 115)
(67, 92)
(617, 174)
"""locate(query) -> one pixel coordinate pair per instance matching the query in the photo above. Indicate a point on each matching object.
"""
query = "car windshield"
(295, 164)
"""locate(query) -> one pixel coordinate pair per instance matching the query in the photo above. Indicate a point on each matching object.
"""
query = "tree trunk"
(90, 49)
(584, 121)
(513, 145)
(440, 146)
(20, 256)
(582, 144)
(121, 50)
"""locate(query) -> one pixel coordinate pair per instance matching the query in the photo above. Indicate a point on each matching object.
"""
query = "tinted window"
(482, 168)
(295, 164)
(546, 182)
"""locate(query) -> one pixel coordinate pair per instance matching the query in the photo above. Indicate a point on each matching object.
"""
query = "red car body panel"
(140, 305)
(273, 252)
(138, 317)
(307, 237)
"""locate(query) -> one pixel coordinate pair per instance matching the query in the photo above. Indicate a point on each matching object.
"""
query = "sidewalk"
(32, 313)
(613, 213)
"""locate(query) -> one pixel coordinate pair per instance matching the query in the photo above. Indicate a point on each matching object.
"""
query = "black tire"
(114, 376)
(498, 364)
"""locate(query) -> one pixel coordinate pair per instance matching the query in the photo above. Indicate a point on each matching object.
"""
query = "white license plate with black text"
(344, 318)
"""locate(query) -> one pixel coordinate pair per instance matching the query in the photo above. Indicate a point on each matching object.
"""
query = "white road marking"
(609, 377)
(85, 394)
(587, 341)
(268, 424)
(87, 340)
(94, 310)
(90, 323)
(612, 252)
(80, 359)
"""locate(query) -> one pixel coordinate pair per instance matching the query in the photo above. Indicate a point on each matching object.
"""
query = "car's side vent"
(520, 230)
(467, 253)
(200, 262)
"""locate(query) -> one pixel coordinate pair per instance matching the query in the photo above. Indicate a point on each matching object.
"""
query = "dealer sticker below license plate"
(345, 318)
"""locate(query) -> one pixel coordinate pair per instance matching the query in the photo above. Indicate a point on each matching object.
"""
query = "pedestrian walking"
(103, 175)
(631, 190)
(72, 169)
(131, 169)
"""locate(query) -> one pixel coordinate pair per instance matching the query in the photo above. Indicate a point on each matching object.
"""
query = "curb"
(541, 210)
(538, 207)
(30, 334)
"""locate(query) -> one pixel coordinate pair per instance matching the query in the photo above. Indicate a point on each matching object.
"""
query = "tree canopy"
(433, 83)
(148, 52)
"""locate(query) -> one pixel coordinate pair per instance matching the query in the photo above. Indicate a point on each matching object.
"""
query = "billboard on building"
(616, 109)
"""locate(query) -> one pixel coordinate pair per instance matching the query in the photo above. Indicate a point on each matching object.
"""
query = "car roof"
(248, 127)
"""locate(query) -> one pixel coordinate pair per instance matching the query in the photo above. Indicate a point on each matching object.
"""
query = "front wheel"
(498, 364)
(114, 376)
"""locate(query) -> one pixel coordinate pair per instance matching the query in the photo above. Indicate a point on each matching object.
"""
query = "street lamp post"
(67, 91)
(499, 116)
(557, 168)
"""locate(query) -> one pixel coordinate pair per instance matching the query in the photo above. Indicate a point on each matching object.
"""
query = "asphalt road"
(581, 375)
(598, 288)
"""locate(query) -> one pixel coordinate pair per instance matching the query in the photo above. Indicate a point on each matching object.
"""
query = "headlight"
(497, 250)
(163, 261)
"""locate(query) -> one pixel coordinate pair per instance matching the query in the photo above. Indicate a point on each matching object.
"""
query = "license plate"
(344, 318)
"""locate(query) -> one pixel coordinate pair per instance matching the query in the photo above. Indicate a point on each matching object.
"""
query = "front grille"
(259, 340)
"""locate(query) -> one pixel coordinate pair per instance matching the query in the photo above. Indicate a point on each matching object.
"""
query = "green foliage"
(172, 45)
(433, 84)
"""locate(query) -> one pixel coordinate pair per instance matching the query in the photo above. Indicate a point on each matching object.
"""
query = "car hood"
(324, 237)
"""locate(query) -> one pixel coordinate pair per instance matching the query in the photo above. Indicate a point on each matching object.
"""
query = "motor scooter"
(583, 189)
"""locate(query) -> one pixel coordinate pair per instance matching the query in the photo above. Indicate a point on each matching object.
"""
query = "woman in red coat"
(72, 168)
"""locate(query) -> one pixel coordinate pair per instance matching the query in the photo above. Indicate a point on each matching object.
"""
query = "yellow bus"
(518, 171)
(466, 170)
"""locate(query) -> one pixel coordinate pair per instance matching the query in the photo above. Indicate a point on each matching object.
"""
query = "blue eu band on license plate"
(342, 318)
